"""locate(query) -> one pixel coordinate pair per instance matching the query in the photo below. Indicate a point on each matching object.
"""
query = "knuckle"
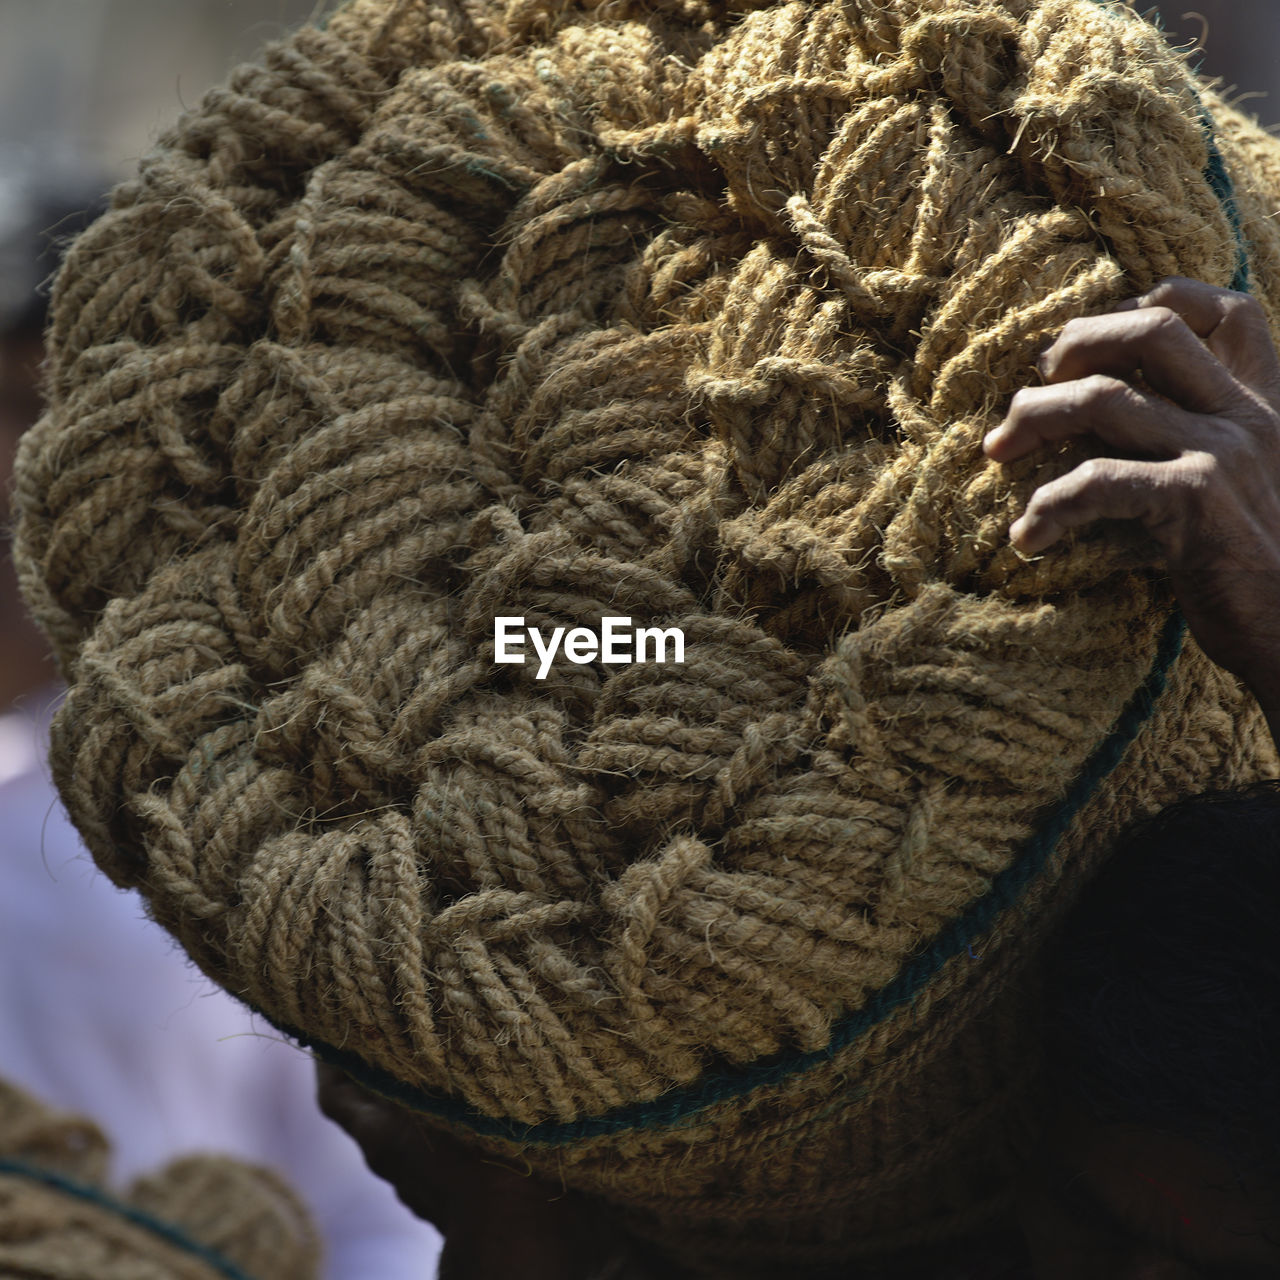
(1179, 287)
(1099, 392)
(1107, 390)
(1071, 335)
(1097, 479)
(1244, 305)
(1069, 489)
(1164, 321)
(1200, 470)
(1091, 472)
(1079, 329)
(1023, 399)
(1199, 478)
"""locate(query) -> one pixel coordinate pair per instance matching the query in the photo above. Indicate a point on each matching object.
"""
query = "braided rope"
(198, 1217)
(715, 1087)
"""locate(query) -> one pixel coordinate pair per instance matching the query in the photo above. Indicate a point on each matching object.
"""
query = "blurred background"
(87, 84)
(92, 81)
(1241, 44)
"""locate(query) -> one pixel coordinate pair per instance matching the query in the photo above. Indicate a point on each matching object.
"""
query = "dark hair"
(1162, 997)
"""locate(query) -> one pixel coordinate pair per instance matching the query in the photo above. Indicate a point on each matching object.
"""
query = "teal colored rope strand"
(1220, 180)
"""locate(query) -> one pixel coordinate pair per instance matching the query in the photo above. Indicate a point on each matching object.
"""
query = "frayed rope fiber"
(689, 313)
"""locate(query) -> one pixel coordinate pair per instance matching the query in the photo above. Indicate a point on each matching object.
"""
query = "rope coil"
(199, 1218)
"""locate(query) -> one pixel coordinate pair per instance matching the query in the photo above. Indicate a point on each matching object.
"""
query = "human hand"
(497, 1221)
(1185, 382)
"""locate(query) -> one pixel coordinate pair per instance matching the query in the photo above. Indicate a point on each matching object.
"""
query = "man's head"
(1162, 1153)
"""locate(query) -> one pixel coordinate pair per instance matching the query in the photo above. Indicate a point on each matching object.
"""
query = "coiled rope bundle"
(680, 313)
(199, 1218)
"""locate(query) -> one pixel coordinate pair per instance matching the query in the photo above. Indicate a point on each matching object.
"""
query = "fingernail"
(1016, 528)
(993, 438)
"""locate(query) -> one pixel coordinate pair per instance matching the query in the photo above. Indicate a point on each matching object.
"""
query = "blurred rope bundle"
(690, 312)
(200, 1218)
